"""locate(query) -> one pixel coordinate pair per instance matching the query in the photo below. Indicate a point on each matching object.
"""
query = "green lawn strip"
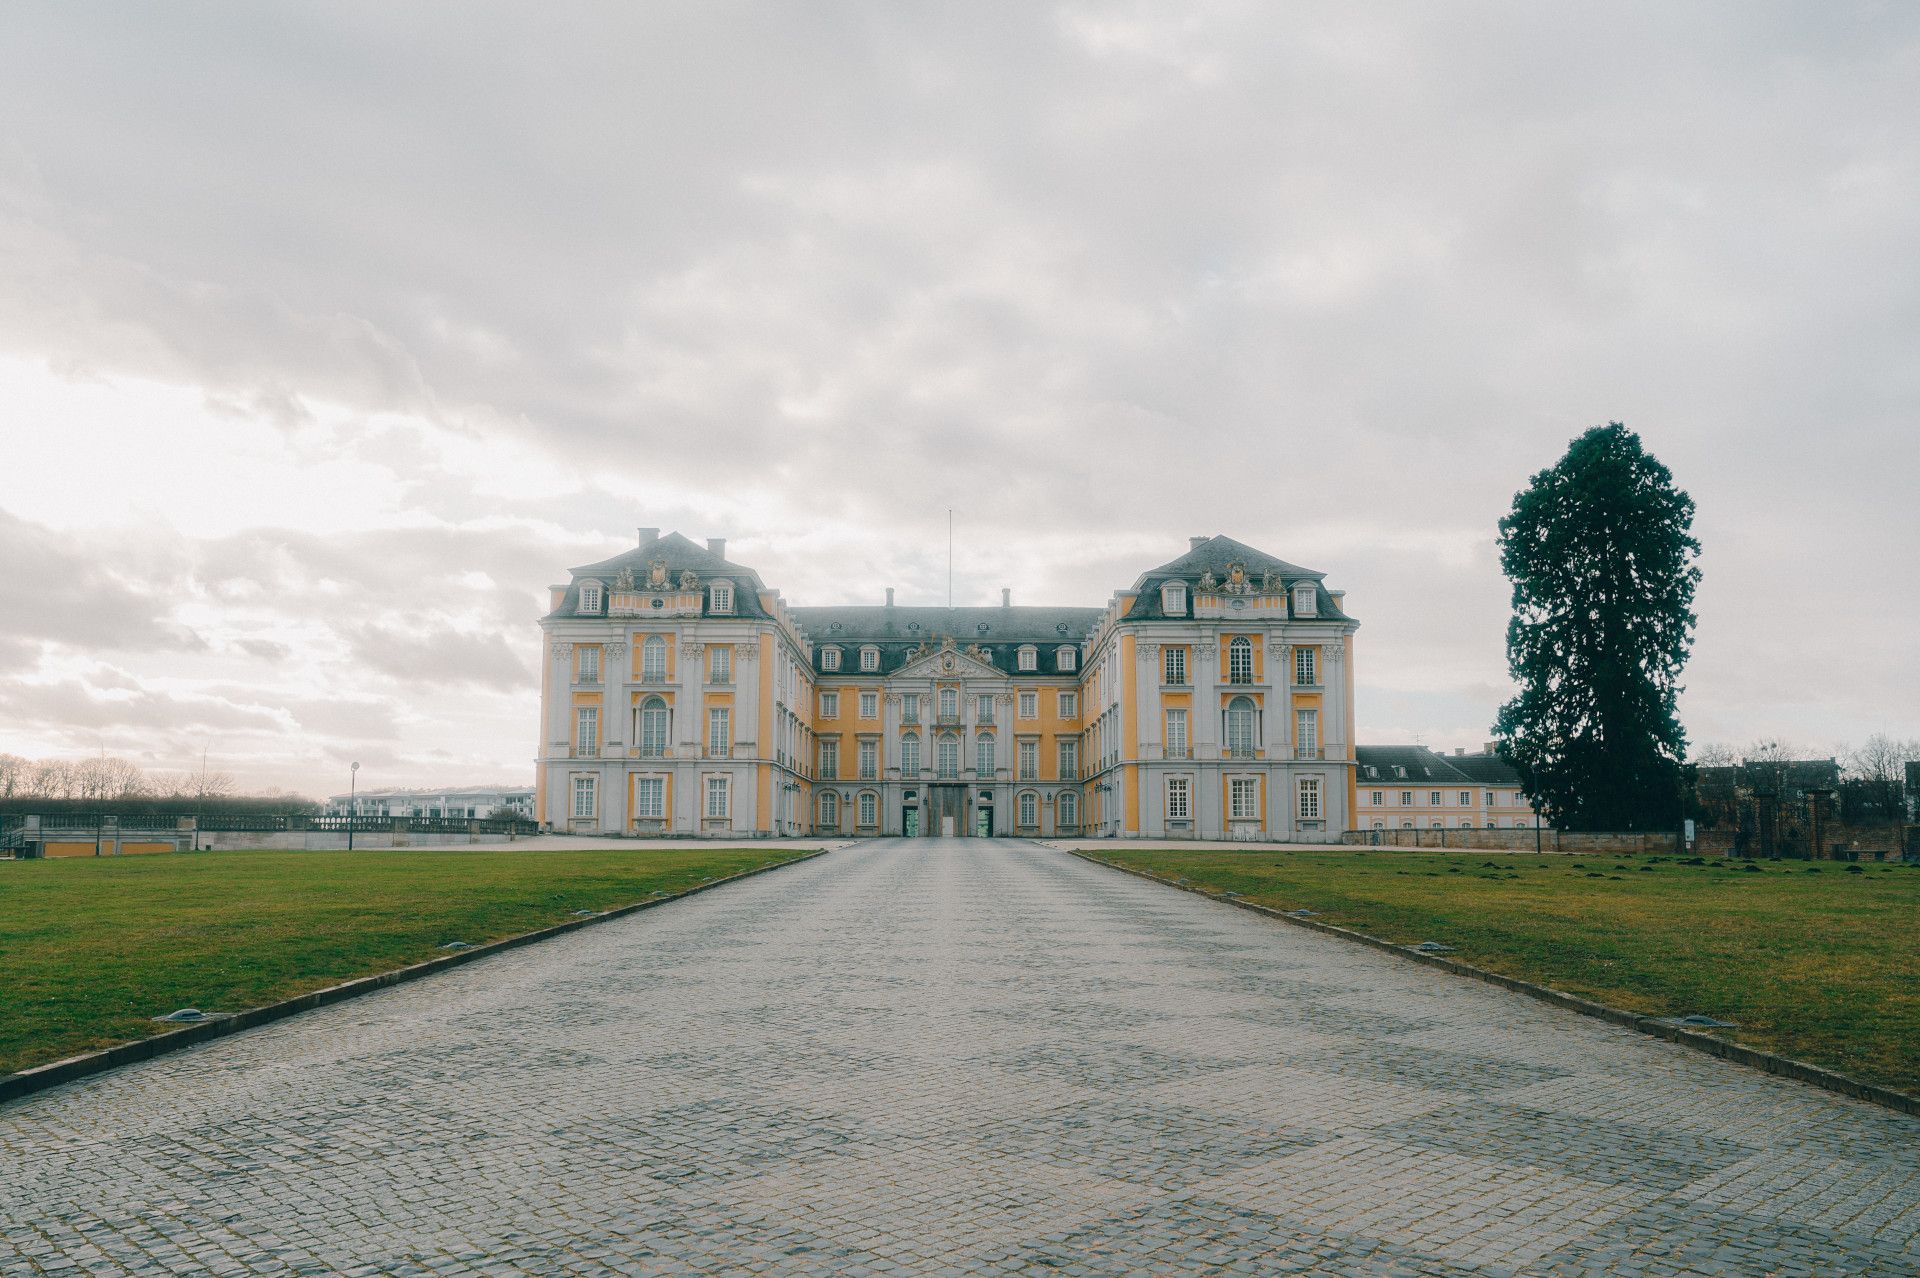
(1822, 967)
(92, 949)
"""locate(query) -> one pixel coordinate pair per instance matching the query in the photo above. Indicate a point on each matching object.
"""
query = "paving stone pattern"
(951, 1057)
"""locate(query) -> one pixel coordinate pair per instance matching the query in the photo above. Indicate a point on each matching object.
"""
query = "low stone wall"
(1837, 842)
(1572, 842)
(322, 840)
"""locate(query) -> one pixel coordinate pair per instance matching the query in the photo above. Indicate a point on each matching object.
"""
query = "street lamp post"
(353, 789)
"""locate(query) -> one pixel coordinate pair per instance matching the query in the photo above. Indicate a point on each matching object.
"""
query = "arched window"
(1240, 728)
(949, 763)
(910, 755)
(869, 814)
(1240, 661)
(983, 752)
(949, 703)
(1067, 808)
(654, 725)
(653, 660)
(1029, 810)
(829, 810)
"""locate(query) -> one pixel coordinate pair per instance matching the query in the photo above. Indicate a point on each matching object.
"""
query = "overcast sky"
(331, 335)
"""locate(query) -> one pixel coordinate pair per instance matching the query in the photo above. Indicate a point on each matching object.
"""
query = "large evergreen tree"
(1603, 563)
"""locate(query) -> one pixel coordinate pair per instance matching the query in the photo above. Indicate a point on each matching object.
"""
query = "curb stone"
(1784, 1066)
(54, 1073)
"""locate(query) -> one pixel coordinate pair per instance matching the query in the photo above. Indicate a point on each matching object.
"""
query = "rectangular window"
(1309, 799)
(589, 599)
(717, 796)
(722, 597)
(983, 756)
(586, 737)
(869, 705)
(829, 760)
(949, 703)
(1243, 799)
(1069, 760)
(829, 705)
(1178, 806)
(1029, 760)
(1029, 810)
(869, 658)
(869, 760)
(1176, 734)
(721, 657)
(910, 708)
(1378, 798)
(583, 796)
(948, 757)
(1239, 662)
(829, 658)
(1069, 705)
(910, 757)
(1466, 798)
(1490, 799)
(1029, 705)
(1175, 660)
(1307, 733)
(650, 798)
(984, 705)
(869, 810)
(719, 731)
(589, 665)
(1304, 660)
(1406, 798)
(1433, 799)
(1028, 659)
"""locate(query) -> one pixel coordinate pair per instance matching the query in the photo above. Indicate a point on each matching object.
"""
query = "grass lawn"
(91, 950)
(1823, 967)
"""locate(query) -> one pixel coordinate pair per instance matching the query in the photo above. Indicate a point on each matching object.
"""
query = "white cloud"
(321, 325)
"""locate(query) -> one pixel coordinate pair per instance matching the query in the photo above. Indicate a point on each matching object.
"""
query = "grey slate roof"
(1376, 766)
(897, 630)
(1214, 555)
(682, 555)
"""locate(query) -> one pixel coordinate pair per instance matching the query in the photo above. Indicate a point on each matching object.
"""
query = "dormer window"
(829, 658)
(981, 628)
(869, 658)
(590, 596)
(1029, 658)
(1173, 598)
(1066, 658)
(1306, 601)
(720, 598)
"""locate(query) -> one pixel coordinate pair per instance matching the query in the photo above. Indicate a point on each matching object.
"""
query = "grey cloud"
(73, 706)
(58, 588)
(1100, 277)
(441, 657)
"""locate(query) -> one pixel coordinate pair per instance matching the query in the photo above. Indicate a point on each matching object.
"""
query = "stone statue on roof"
(623, 580)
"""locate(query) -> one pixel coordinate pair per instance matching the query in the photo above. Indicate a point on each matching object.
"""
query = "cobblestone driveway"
(952, 1057)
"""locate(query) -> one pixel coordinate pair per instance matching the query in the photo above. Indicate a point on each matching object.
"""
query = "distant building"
(1414, 788)
(477, 801)
(1211, 699)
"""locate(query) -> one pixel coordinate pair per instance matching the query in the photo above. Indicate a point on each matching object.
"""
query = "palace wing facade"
(682, 696)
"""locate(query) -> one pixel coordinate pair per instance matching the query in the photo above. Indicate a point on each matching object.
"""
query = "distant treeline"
(170, 805)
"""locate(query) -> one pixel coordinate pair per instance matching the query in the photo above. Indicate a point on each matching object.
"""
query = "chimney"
(1339, 599)
(649, 535)
(889, 596)
(1459, 752)
(1194, 543)
(1006, 597)
(718, 545)
(1488, 748)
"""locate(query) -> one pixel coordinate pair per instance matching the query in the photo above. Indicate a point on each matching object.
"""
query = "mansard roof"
(681, 555)
(896, 630)
(1215, 553)
(1415, 765)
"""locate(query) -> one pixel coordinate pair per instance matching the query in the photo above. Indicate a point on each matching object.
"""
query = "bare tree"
(1716, 754)
(1878, 770)
(16, 775)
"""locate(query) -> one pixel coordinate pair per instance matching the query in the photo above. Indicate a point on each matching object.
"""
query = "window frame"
(720, 598)
(586, 784)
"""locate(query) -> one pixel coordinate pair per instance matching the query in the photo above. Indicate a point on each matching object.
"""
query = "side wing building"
(1213, 698)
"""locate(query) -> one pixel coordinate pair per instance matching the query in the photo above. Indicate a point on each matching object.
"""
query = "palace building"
(1211, 699)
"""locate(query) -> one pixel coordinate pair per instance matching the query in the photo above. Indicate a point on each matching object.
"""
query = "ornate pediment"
(948, 662)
